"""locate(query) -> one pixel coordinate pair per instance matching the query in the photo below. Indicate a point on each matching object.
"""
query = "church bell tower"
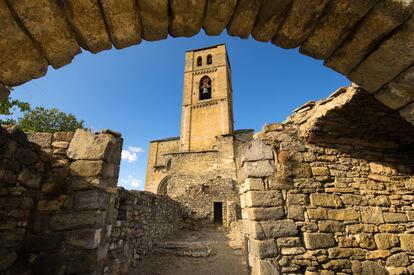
(207, 109)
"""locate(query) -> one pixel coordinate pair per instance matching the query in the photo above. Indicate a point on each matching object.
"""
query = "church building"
(201, 168)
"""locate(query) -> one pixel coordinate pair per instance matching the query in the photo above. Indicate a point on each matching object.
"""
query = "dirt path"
(202, 251)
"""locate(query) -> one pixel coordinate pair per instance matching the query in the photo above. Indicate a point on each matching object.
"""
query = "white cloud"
(130, 180)
(131, 154)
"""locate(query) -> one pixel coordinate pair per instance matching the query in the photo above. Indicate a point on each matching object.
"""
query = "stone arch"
(163, 186)
(370, 42)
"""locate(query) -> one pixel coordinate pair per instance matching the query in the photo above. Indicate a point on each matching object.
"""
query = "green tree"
(52, 120)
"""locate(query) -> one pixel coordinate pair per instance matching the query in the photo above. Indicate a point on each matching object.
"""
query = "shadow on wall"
(57, 196)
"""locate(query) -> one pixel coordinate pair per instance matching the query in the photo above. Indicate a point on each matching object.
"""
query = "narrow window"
(205, 88)
(209, 59)
(199, 61)
(218, 212)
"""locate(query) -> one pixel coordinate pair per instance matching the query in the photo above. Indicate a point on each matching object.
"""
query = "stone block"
(30, 179)
(349, 253)
(292, 250)
(372, 215)
(318, 240)
(407, 242)
(257, 150)
(91, 200)
(123, 22)
(244, 17)
(259, 169)
(263, 214)
(297, 199)
(74, 220)
(272, 229)
(7, 260)
(296, 212)
(43, 242)
(378, 254)
(386, 240)
(325, 200)
(44, 140)
(218, 15)
(398, 260)
(154, 18)
(268, 198)
(331, 226)
(256, 184)
(395, 217)
(263, 249)
(318, 213)
(84, 238)
(87, 168)
(320, 171)
(397, 270)
(186, 17)
(408, 113)
(86, 145)
(373, 268)
(350, 199)
(288, 242)
(337, 264)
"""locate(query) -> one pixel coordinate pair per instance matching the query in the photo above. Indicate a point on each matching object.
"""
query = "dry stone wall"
(330, 191)
(143, 219)
(57, 194)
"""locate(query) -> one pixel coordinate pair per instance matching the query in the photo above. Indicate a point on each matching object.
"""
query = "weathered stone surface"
(297, 199)
(257, 150)
(123, 22)
(318, 240)
(44, 140)
(4, 92)
(86, 168)
(395, 217)
(398, 92)
(319, 214)
(154, 18)
(264, 199)
(320, 171)
(87, 21)
(288, 242)
(30, 179)
(186, 17)
(408, 113)
(272, 229)
(74, 220)
(244, 17)
(400, 259)
(296, 212)
(270, 17)
(386, 240)
(337, 264)
(382, 66)
(91, 200)
(254, 184)
(259, 169)
(86, 145)
(407, 242)
(343, 214)
(385, 16)
(7, 261)
(261, 214)
(263, 249)
(20, 60)
(47, 25)
(378, 254)
(331, 226)
(299, 23)
(372, 215)
(337, 253)
(218, 15)
(333, 28)
(84, 238)
(326, 200)
(373, 268)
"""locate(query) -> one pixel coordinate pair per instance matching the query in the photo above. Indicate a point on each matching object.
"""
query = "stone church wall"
(331, 190)
(57, 193)
(143, 219)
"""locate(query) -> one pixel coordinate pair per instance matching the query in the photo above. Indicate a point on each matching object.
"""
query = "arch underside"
(370, 42)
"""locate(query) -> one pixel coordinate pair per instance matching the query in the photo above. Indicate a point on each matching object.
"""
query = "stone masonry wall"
(143, 219)
(331, 191)
(56, 200)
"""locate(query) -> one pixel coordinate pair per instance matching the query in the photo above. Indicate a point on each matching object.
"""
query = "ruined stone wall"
(56, 200)
(143, 219)
(330, 190)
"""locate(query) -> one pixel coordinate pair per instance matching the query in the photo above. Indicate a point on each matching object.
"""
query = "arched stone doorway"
(163, 186)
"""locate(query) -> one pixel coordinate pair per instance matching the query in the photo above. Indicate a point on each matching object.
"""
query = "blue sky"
(138, 91)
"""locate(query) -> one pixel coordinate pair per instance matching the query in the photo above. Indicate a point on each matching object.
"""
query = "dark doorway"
(218, 212)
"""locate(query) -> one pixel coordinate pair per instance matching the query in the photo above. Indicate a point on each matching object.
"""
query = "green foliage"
(38, 119)
(52, 120)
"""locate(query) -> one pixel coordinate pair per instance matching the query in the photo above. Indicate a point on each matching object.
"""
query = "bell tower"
(207, 109)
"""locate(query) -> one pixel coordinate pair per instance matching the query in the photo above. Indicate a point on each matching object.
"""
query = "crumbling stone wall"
(143, 219)
(56, 200)
(330, 190)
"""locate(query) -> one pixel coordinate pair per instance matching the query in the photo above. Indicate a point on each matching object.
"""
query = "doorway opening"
(218, 213)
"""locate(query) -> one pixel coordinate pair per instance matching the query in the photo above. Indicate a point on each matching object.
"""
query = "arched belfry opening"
(205, 88)
(209, 59)
(199, 61)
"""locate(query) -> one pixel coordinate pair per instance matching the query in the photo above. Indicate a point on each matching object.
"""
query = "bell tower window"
(205, 88)
(199, 61)
(209, 59)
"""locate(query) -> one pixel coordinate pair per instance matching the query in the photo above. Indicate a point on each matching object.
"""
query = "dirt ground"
(197, 251)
